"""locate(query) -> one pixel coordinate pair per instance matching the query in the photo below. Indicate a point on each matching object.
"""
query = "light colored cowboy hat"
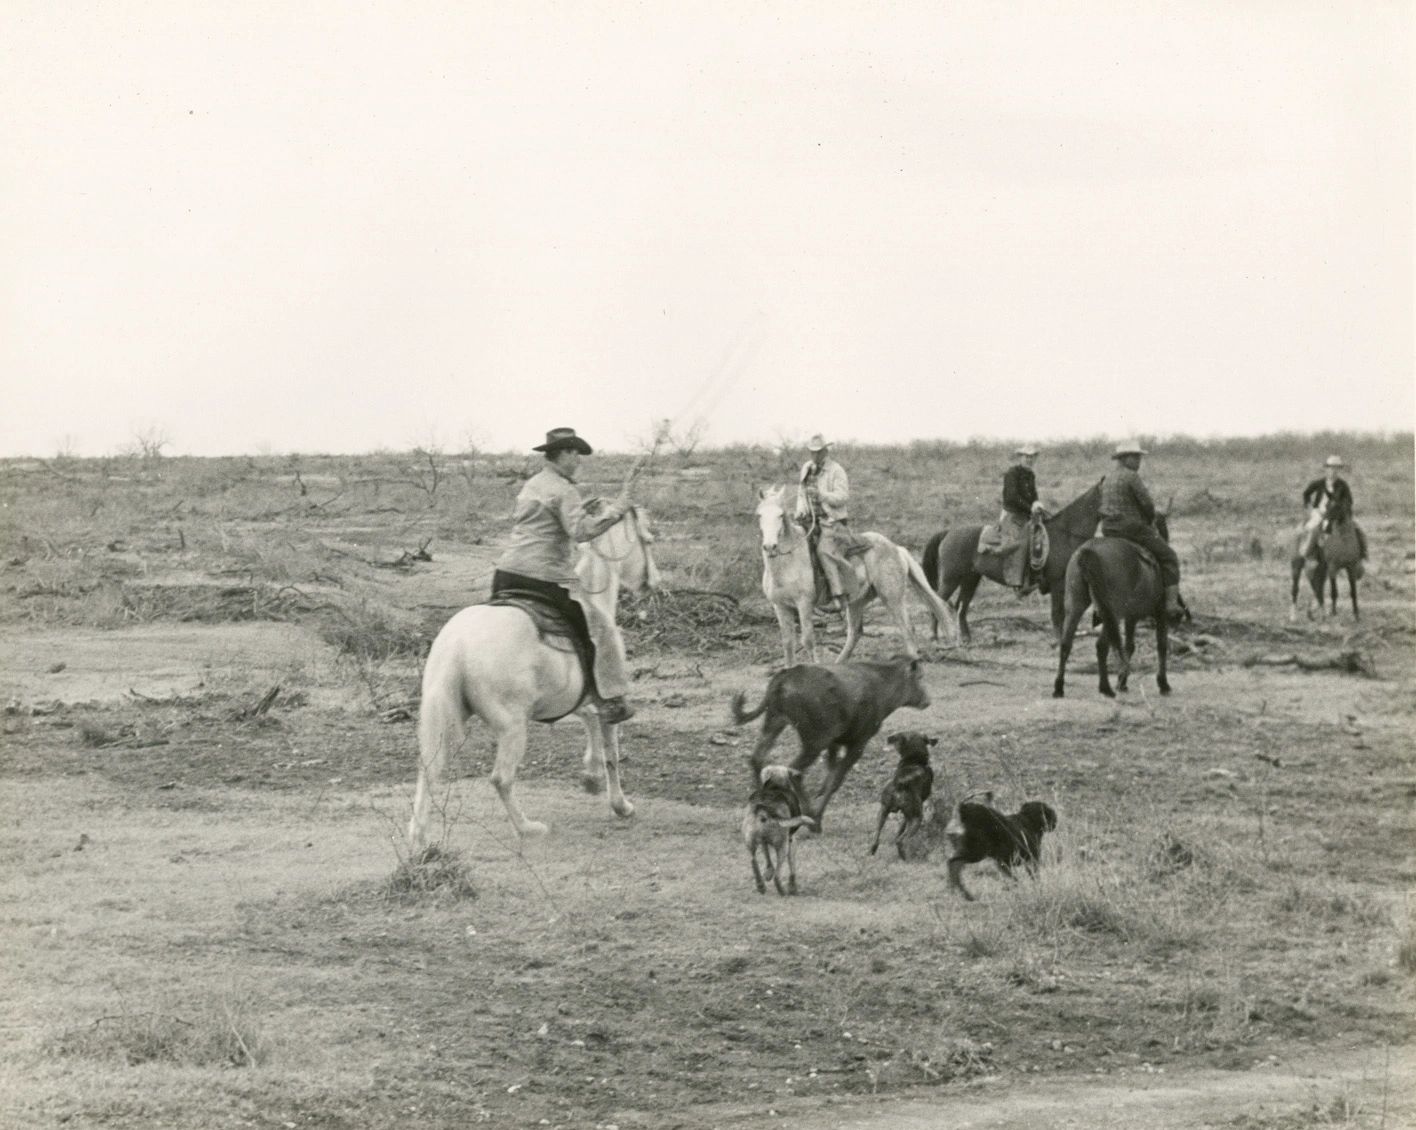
(1025, 451)
(563, 439)
(1334, 461)
(1128, 447)
(817, 442)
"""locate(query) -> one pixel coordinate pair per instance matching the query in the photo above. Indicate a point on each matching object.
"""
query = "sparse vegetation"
(1222, 886)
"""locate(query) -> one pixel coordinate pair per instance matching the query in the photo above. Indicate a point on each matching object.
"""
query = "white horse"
(885, 570)
(489, 660)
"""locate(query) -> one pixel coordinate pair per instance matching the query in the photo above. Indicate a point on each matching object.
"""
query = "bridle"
(784, 544)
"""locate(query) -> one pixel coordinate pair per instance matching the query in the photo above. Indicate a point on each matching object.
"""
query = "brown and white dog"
(909, 788)
(774, 813)
(981, 832)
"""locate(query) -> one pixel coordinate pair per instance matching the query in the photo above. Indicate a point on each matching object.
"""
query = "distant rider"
(1329, 503)
(548, 520)
(823, 498)
(1128, 511)
(1020, 503)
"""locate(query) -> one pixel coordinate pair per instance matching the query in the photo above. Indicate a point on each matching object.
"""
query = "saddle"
(1020, 550)
(555, 630)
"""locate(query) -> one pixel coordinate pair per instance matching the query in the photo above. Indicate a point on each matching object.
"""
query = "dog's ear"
(895, 740)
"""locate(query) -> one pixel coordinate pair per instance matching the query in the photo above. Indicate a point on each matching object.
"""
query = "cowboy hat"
(1025, 451)
(563, 439)
(817, 443)
(1128, 447)
(1334, 461)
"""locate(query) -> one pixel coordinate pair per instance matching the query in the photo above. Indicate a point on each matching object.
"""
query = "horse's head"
(773, 522)
(623, 553)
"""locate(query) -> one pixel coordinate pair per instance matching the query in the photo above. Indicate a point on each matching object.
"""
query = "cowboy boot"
(1174, 606)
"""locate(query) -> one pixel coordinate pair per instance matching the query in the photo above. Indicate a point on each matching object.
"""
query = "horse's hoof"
(1057, 692)
(533, 830)
(1164, 688)
(591, 783)
(1107, 691)
(624, 809)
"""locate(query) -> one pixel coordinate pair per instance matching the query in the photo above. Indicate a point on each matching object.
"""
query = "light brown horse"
(1334, 551)
(885, 570)
(1122, 582)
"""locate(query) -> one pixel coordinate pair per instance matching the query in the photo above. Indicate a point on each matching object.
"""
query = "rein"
(636, 542)
(785, 545)
(631, 512)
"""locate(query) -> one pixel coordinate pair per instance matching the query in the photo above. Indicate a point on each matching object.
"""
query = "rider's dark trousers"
(558, 595)
(1145, 536)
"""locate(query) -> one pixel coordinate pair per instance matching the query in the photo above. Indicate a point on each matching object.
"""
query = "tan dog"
(774, 813)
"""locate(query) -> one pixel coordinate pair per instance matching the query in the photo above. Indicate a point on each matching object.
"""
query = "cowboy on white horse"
(823, 506)
(549, 520)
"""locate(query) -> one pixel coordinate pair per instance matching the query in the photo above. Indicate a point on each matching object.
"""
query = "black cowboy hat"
(563, 439)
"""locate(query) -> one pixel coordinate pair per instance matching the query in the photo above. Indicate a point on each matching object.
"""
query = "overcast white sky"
(334, 227)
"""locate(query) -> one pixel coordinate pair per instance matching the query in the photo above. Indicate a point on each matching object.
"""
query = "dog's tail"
(742, 716)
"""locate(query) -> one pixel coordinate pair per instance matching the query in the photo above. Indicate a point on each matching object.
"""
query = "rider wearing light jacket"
(548, 521)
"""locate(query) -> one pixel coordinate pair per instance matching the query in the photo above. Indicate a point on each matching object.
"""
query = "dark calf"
(774, 813)
(1009, 841)
(909, 788)
(835, 710)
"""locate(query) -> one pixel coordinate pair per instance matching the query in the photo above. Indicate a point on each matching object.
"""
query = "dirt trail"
(1363, 1079)
(154, 659)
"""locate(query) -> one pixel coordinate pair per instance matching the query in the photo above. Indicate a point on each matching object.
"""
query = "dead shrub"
(436, 872)
(371, 634)
(223, 1031)
(1310, 902)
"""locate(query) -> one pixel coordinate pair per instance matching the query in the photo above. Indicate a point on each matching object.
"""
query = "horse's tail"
(742, 716)
(442, 717)
(1091, 569)
(931, 559)
(944, 616)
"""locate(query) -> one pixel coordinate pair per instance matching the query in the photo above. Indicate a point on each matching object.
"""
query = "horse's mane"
(1080, 516)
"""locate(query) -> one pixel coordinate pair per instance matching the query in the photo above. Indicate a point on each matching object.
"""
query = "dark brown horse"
(1337, 551)
(951, 558)
(1122, 582)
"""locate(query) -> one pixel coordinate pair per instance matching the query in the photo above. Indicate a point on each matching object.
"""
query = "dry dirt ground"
(201, 927)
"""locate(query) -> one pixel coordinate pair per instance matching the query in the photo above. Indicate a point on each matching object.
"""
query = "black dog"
(909, 788)
(1009, 841)
(774, 813)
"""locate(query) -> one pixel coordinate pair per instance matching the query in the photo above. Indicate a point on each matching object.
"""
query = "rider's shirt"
(548, 520)
(1125, 501)
(1335, 501)
(1019, 490)
(832, 492)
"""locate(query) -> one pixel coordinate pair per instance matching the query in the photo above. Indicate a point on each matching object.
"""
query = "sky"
(317, 226)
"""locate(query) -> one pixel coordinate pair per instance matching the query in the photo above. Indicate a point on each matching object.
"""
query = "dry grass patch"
(436, 873)
(224, 1030)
